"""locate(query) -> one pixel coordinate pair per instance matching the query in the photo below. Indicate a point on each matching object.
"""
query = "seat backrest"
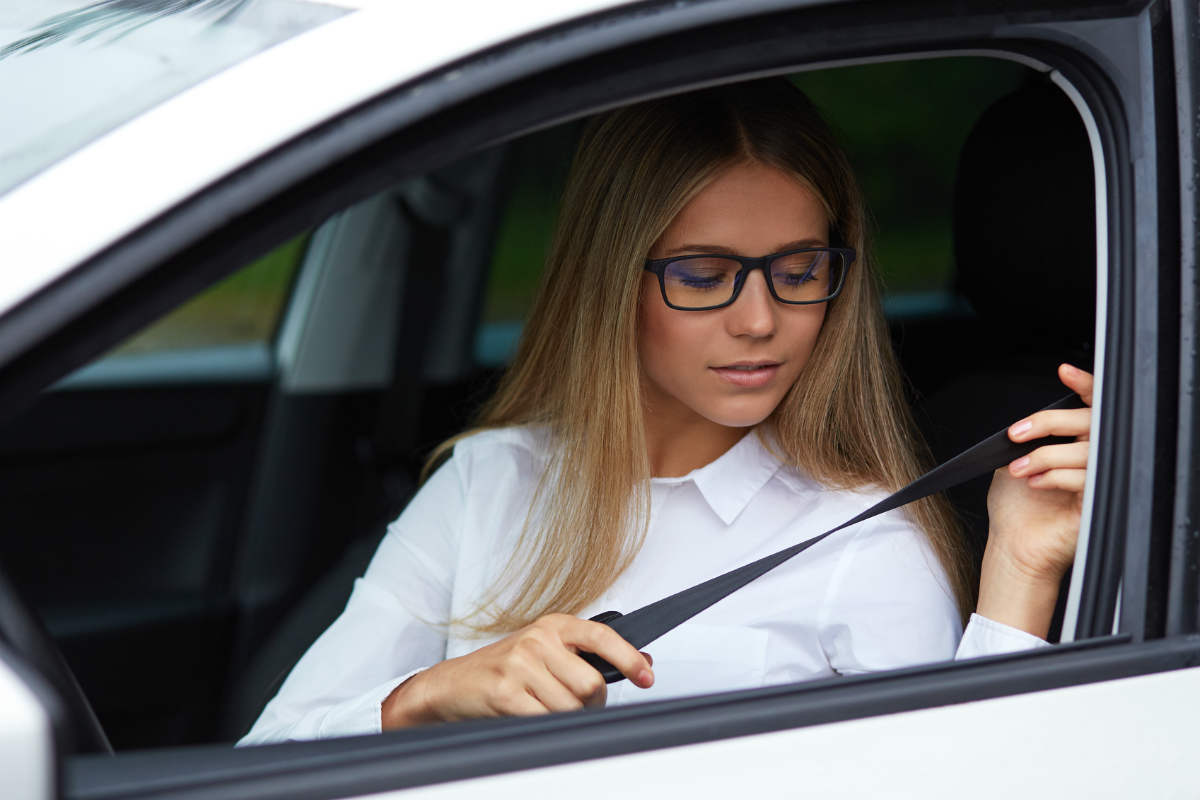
(1024, 243)
(1024, 224)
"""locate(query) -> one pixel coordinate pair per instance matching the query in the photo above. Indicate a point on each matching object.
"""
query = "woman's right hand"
(535, 670)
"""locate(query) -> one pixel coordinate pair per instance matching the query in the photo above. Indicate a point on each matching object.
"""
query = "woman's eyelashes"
(702, 279)
(794, 278)
(703, 282)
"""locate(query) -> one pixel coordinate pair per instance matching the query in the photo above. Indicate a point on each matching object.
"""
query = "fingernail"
(1020, 464)
(645, 678)
(1021, 427)
(1070, 368)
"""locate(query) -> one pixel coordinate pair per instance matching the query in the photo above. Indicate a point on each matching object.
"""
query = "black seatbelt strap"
(643, 626)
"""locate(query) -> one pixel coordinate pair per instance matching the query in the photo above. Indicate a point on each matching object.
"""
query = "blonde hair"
(576, 371)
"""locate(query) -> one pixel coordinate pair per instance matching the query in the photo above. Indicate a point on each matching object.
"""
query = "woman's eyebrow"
(800, 244)
(701, 248)
(729, 251)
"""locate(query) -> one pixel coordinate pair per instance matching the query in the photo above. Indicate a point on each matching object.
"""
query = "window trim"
(1183, 596)
(1100, 178)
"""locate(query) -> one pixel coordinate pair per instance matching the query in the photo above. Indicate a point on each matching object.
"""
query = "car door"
(1132, 614)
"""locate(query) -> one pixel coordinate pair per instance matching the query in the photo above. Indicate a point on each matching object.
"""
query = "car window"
(906, 126)
(241, 309)
(71, 71)
(315, 467)
(212, 336)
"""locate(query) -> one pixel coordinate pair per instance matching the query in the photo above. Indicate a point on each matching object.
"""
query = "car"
(260, 256)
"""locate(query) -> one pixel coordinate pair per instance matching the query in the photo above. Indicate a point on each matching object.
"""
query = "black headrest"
(1024, 220)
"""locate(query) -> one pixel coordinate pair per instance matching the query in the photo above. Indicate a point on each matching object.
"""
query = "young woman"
(706, 377)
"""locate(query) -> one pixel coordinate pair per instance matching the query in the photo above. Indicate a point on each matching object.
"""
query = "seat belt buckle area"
(610, 673)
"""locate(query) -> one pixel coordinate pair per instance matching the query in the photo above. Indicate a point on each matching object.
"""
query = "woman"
(705, 378)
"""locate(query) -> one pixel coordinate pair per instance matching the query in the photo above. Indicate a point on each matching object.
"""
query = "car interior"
(188, 512)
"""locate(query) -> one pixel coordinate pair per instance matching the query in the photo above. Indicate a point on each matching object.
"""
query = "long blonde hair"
(576, 371)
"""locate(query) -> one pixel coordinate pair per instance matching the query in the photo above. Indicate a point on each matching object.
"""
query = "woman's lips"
(748, 375)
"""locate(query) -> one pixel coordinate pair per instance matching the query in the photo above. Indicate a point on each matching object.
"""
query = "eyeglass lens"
(703, 281)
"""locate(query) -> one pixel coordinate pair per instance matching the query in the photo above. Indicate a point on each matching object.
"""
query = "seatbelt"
(643, 626)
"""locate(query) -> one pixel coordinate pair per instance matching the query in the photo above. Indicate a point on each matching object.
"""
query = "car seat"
(1024, 245)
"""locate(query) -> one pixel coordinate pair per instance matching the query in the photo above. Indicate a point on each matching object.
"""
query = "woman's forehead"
(748, 208)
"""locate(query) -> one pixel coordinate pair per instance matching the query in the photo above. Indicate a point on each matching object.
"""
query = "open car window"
(263, 493)
(325, 310)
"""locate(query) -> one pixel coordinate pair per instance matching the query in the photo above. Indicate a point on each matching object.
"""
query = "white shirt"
(871, 597)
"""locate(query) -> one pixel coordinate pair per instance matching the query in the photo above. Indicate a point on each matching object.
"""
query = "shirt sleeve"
(392, 627)
(888, 604)
(986, 637)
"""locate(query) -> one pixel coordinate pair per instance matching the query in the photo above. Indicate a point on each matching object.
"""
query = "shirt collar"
(729, 483)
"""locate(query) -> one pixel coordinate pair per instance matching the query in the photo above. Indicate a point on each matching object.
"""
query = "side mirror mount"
(32, 731)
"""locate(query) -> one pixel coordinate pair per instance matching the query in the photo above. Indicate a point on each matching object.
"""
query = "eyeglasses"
(796, 277)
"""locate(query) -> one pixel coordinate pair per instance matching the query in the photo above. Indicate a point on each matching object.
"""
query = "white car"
(342, 205)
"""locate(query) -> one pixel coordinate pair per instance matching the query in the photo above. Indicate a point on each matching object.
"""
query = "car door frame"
(279, 199)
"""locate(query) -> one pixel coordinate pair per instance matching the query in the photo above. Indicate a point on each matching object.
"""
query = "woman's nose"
(753, 313)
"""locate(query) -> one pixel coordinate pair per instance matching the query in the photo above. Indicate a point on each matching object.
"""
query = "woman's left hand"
(1034, 508)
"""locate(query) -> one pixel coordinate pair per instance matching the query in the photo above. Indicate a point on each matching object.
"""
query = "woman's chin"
(741, 417)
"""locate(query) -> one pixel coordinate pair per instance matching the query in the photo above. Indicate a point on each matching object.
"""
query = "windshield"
(72, 71)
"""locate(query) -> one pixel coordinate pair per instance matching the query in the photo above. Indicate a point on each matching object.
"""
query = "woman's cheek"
(802, 330)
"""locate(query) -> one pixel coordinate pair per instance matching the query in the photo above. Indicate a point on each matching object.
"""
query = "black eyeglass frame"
(659, 267)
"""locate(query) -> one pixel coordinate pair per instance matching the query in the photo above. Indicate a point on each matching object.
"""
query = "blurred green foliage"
(245, 307)
(902, 125)
(540, 163)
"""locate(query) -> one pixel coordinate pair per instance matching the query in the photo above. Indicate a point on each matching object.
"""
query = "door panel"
(1052, 742)
(121, 509)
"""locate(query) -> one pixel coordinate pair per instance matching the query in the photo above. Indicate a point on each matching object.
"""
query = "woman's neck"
(676, 445)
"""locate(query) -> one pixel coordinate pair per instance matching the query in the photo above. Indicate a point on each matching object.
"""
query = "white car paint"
(1134, 737)
(26, 741)
(127, 177)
